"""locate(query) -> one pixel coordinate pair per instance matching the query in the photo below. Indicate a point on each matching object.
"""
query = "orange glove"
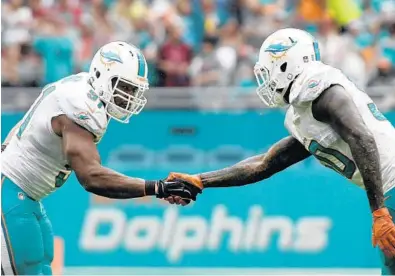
(193, 179)
(384, 232)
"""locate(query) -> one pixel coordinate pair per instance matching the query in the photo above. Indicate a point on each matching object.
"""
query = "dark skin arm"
(84, 159)
(280, 156)
(336, 108)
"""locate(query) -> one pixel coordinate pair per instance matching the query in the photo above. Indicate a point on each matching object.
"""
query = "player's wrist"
(204, 179)
(151, 187)
(381, 212)
(199, 180)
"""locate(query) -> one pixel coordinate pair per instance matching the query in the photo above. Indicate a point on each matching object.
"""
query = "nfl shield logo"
(21, 196)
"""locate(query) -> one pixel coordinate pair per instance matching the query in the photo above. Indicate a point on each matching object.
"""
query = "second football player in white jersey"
(327, 117)
(57, 136)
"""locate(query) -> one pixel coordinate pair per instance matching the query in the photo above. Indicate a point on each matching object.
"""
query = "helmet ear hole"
(283, 67)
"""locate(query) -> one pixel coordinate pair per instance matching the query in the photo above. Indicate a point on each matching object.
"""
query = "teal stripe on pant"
(27, 232)
(388, 265)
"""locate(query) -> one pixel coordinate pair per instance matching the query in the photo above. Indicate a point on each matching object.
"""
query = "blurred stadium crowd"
(192, 42)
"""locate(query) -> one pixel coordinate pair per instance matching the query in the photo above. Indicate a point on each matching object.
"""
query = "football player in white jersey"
(58, 135)
(327, 117)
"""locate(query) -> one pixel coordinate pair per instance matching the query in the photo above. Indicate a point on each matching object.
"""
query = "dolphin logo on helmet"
(110, 57)
(279, 47)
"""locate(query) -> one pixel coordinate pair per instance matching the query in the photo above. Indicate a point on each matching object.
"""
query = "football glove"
(175, 187)
(384, 232)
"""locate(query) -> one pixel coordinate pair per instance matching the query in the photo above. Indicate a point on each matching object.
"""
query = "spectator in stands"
(16, 21)
(55, 49)
(388, 103)
(364, 47)
(385, 7)
(228, 46)
(255, 27)
(16, 24)
(27, 69)
(86, 44)
(191, 21)
(260, 21)
(331, 42)
(101, 22)
(244, 76)
(211, 17)
(120, 17)
(142, 33)
(343, 12)
(387, 49)
(144, 39)
(175, 57)
(68, 11)
(37, 9)
(311, 11)
(206, 70)
(340, 51)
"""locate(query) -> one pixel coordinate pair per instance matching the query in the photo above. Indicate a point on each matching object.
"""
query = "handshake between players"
(177, 189)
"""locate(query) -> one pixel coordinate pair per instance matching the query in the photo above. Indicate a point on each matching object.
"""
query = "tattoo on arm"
(280, 156)
(336, 108)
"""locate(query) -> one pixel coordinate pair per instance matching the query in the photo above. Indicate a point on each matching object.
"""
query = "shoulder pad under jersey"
(78, 102)
(312, 82)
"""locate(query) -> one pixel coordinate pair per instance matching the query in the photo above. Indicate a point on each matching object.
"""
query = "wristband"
(150, 187)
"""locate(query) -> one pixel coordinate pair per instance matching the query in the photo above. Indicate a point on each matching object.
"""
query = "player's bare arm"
(280, 156)
(84, 159)
(337, 109)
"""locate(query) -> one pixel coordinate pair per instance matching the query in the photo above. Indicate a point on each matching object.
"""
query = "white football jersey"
(321, 140)
(34, 159)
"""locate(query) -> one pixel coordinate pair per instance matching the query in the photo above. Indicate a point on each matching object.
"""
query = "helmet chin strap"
(288, 92)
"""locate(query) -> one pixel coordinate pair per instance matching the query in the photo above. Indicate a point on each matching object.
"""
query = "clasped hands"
(179, 188)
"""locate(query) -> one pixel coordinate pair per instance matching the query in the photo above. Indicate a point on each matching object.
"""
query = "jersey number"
(61, 178)
(376, 112)
(333, 159)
